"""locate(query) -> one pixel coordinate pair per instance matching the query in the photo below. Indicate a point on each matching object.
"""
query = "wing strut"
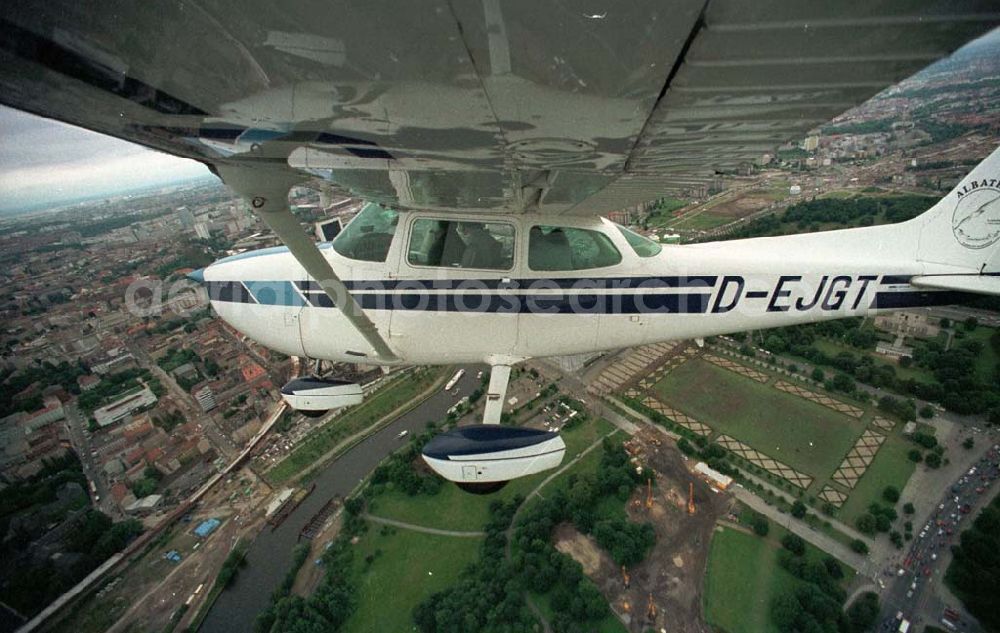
(499, 377)
(267, 191)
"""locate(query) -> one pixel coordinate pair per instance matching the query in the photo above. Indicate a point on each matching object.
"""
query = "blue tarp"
(206, 527)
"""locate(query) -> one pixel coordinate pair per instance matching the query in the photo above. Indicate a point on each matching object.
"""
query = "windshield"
(643, 246)
(369, 234)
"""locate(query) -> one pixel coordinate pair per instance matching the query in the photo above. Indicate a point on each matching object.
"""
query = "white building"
(205, 398)
(146, 504)
(124, 406)
(201, 230)
(713, 476)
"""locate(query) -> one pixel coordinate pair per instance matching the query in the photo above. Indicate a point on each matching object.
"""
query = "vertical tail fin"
(963, 229)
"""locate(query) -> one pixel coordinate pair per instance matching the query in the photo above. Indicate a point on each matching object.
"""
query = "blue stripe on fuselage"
(530, 304)
(538, 296)
(582, 283)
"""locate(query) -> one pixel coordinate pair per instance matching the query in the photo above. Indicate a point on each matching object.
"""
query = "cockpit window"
(643, 246)
(369, 234)
(462, 244)
(565, 248)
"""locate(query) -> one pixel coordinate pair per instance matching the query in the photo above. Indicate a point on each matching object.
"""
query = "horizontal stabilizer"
(980, 284)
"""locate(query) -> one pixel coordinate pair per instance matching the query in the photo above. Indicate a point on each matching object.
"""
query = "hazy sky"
(46, 161)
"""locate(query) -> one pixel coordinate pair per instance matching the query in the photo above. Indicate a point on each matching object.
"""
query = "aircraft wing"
(543, 105)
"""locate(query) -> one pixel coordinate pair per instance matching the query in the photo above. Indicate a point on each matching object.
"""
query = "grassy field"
(406, 568)
(741, 580)
(986, 361)
(701, 222)
(663, 213)
(452, 509)
(891, 467)
(743, 576)
(802, 434)
(310, 452)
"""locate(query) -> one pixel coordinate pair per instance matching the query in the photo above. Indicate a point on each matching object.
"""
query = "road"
(914, 586)
(420, 528)
(270, 555)
(819, 539)
(79, 438)
(961, 313)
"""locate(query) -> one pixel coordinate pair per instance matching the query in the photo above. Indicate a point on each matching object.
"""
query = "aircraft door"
(452, 290)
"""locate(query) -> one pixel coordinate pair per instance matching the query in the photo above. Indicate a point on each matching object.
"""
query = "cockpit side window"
(567, 248)
(369, 234)
(643, 246)
(461, 244)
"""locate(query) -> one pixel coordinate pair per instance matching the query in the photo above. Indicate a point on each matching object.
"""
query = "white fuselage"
(458, 315)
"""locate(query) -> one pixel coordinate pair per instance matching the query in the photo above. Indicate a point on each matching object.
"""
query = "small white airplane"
(489, 138)
(442, 289)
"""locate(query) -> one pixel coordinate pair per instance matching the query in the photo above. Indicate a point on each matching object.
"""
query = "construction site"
(663, 593)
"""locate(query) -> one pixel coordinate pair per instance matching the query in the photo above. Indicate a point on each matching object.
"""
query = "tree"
(794, 544)
(843, 382)
(896, 538)
(973, 572)
(761, 526)
(882, 523)
(927, 412)
(908, 508)
(798, 509)
(818, 375)
(891, 494)
(933, 460)
(945, 322)
(968, 443)
(970, 323)
(865, 523)
(927, 440)
(915, 455)
(859, 546)
(776, 343)
(833, 567)
(862, 613)
(144, 487)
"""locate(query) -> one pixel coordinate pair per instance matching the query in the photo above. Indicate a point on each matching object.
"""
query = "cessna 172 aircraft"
(489, 137)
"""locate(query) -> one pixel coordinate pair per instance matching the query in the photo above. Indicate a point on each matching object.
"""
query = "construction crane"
(650, 609)
(626, 577)
(691, 497)
(649, 494)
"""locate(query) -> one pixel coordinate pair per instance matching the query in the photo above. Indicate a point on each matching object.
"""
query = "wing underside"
(558, 107)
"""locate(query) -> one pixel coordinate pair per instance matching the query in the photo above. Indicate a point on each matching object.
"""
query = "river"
(270, 555)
